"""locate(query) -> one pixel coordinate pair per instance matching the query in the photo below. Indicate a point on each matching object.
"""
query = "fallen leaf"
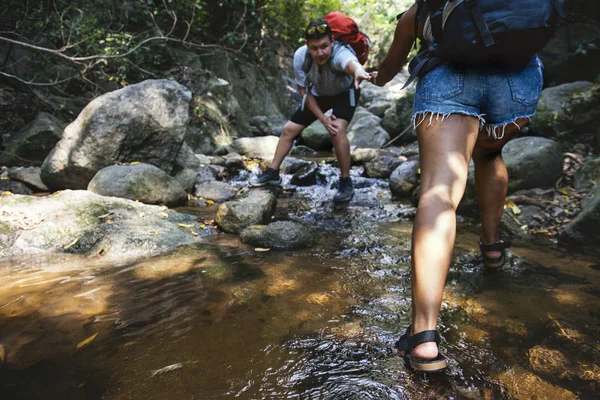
(153, 232)
(260, 249)
(202, 226)
(163, 215)
(4, 178)
(134, 163)
(193, 233)
(255, 227)
(185, 225)
(105, 215)
(7, 193)
(210, 202)
(109, 221)
(86, 341)
(168, 368)
(71, 244)
(142, 214)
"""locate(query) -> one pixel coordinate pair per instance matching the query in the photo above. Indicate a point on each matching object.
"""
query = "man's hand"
(374, 77)
(360, 75)
(332, 125)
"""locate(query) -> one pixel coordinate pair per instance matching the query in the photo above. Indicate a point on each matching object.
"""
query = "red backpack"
(345, 30)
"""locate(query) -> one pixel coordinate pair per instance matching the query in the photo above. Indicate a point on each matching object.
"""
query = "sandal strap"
(407, 342)
(496, 246)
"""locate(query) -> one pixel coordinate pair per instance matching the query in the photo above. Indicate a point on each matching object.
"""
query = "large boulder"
(365, 131)
(142, 182)
(555, 111)
(405, 179)
(383, 165)
(532, 162)
(254, 209)
(86, 223)
(144, 122)
(279, 235)
(30, 176)
(32, 144)
(215, 191)
(397, 120)
(257, 147)
(584, 227)
(316, 137)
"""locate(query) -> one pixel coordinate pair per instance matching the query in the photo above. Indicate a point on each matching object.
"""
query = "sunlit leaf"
(7, 193)
(71, 244)
(193, 233)
(210, 202)
(163, 215)
(86, 341)
(256, 227)
(260, 249)
(185, 225)
(134, 163)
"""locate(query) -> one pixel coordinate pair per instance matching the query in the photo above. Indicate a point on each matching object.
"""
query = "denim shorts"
(496, 95)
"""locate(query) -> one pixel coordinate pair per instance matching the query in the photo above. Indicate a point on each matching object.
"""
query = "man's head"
(319, 41)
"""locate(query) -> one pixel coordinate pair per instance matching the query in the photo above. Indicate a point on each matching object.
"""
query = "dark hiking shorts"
(343, 106)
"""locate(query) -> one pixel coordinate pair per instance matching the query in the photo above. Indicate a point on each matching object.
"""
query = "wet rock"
(29, 176)
(254, 209)
(519, 383)
(143, 182)
(363, 155)
(215, 191)
(83, 222)
(583, 229)
(224, 150)
(143, 122)
(186, 159)
(15, 187)
(544, 360)
(291, 165)
(257, 147)
(205, 174)
(204, 159)
(234, 161)
(306, 176)
(532, 162)
(279, 235)
(301, 150)
(33, 143)
(405, 179)
(382, 166)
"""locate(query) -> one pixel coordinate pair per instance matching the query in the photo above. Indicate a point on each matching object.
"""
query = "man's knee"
(291, 130)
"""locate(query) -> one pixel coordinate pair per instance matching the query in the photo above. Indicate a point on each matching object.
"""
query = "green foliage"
(109, 29)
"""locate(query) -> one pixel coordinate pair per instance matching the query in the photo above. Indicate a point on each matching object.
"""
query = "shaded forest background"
(95, 46)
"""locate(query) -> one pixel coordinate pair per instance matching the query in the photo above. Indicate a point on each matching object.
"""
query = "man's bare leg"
(290, 131)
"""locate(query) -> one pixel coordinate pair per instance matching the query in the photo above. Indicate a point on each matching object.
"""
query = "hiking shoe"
(345, 191)
(269, 177)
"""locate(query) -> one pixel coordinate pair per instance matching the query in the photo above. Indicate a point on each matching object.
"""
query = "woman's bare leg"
(445, 148)
(491, 181)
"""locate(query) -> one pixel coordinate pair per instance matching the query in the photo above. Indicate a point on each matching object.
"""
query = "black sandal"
(490, 262)
(407, 343)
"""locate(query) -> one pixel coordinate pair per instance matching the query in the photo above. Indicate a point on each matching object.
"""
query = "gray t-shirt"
(331, 80)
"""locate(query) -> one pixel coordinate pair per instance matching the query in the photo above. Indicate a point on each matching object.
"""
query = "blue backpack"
(480, 32)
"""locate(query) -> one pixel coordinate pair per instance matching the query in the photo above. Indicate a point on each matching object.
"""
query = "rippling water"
(230, 322)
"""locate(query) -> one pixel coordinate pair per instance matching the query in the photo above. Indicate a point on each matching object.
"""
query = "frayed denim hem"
(494, 129)
(442, 116)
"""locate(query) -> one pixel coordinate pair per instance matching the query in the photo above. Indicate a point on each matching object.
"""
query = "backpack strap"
(484, 31)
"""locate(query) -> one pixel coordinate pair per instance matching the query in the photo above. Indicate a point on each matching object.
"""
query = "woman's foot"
(494, 254)
(420, 351)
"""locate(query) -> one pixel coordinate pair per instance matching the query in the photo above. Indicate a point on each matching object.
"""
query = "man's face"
(320, 49)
